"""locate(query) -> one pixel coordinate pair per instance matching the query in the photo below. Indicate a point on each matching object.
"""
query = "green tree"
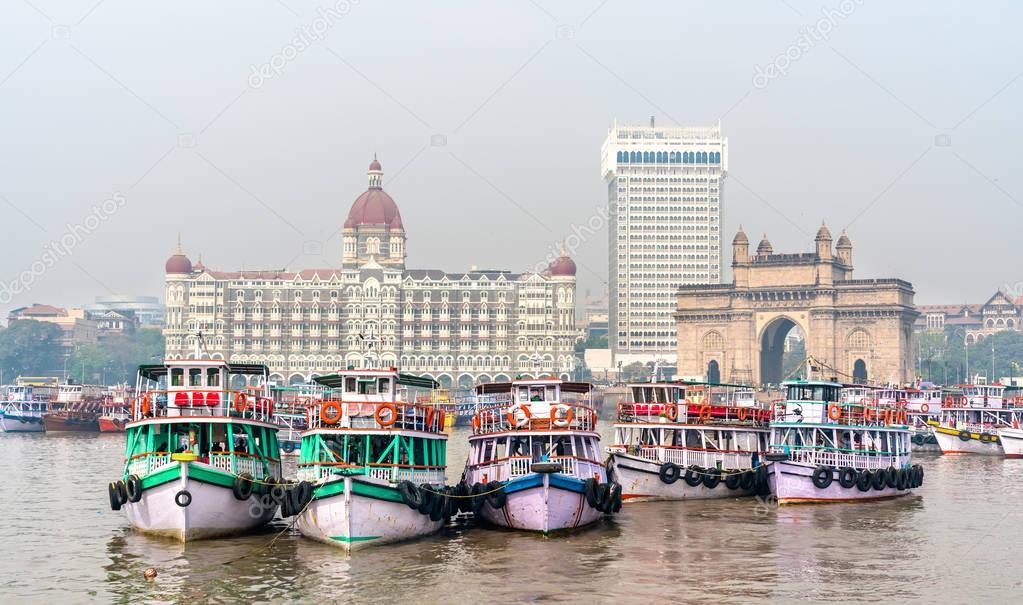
(635, 372)
(116, 358)
(593, 341)
(31, 348)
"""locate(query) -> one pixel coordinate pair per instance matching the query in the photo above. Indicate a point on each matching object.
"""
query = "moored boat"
(825, 450)
(21, 411)
(535, 455)
(971, 420)
(668, 446)
(201, 460)
(290, 413)
(372, 465)
(76, 409)
(115, 410)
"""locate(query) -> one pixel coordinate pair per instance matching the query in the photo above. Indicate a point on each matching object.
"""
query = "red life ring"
(330, 419)
(671, 411)
(241, 403)
(386, 422)
(925, 408)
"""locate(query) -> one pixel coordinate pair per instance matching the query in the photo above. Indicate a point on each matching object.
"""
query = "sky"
(247, 128)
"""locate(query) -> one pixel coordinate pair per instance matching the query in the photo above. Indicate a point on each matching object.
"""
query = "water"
(956, 542)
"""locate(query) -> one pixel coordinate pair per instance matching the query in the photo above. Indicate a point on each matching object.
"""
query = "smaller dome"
(740, 237)
(375, 165)
(823, 233)
(765, 246)
(843, 241)
(178, 262)
(562, 267)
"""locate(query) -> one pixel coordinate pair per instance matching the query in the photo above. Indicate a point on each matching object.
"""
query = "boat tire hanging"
(847, 477)
(497, 497)
(410, 494)
(694, 476)
(891, 477)
(748, 479)
(590, 492)
(669, 473)
(115, 496)
(864, 480)
(477, 499)
(918, 439)
(242, 486)
(183, 498)
(733, 479)
(711, 478)
(878, 478)
(823, 476)
(964, 436)
(614, 503)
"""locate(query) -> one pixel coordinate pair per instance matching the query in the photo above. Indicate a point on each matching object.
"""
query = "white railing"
(840, 459)
(495, 419)
(704, 458)
(375, 415)
(148, 464)
(186, 402)
(252, 466)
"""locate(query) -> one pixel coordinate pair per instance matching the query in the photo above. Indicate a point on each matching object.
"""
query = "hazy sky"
(248, 126)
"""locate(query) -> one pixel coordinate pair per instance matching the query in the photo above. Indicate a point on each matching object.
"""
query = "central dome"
(374, 207)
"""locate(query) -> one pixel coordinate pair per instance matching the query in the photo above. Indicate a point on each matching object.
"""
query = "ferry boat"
(1011, 437)
(668, 446)
(21, 411)
(290, 412)
(201, 460)
(534, 457)
(76, 409)
(115, 411)
(924, 405)
(823, 450)
(970, 422)
(372, 465)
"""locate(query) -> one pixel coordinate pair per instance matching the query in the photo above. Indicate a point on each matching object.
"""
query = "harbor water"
(953, 541)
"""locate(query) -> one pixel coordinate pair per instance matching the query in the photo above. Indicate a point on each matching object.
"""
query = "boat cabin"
(808, 400)
(536, 404)
(983, 395)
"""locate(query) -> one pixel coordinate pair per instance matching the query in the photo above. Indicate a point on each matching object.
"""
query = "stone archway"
(772, 348)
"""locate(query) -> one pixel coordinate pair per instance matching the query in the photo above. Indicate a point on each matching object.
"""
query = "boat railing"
(148, 462)
(237, 463)
(684, 457)
(562, 417)
(690, 413)
(513, 467)
(202, 403)
(392, 473)
(332, 414)
(838, 459)
(867, 413)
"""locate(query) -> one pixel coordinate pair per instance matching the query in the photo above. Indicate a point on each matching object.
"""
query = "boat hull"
(543, 502)
(214, 512)
(111, 425)
(792, 483)
(60, 423)
(951, 443)
(352, 514)
(13, 423)
(641, 482)
(1012, 442)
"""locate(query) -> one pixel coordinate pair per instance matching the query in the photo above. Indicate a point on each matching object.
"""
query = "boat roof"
(335, 380)
(811, 383)
(156, 371)
(687, 383)
(506, 387)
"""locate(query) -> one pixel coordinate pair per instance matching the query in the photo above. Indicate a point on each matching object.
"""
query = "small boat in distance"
(115, 410)
(534, 457)
(76, 409)
(21, 411)
(372, 465)
(824, 450)
(668, 446)
(202, 460)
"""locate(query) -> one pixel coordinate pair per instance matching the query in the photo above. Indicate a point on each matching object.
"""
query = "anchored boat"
(115, 410)
(290, 413)
(534, 457)
(972, 419)
(372, 465)
(201, 459)
(670, 446)
(76, 409)
(21, 411)
(825, 450)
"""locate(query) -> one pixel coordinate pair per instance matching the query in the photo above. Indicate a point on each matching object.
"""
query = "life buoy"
(705, 412)
(924, 408)
(562, 420)
(146, 406)
(671, 411)
(241, 403)
(888, 417)
(475, 423)
(834, 411)
(527, 415)
(429, 417)
(330, 419)
(389, 421)
(949, 401)
(743, 413)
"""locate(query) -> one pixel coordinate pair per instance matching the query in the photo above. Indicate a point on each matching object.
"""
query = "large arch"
(771, 345)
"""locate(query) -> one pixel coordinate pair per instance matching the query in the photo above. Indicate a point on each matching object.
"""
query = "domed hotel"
(373, 311)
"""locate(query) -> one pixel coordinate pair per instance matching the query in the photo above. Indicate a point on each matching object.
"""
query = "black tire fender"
(133, 488)
(669, 473)
(823, 476)
(183, 498)
(242, 486)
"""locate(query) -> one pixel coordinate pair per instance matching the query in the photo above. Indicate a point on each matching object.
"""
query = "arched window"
(860, 371)
(713, 371)
(620, 154)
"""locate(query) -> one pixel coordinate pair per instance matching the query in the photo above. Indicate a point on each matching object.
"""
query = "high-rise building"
(370, 310)
(664, 195)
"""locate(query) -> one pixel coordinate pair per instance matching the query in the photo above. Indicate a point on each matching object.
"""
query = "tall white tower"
(664, 189)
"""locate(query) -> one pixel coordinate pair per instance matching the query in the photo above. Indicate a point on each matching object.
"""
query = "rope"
(271, 543)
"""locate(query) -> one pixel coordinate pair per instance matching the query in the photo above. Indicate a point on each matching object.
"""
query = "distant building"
(664, 197)
(148, 310)
(115, 323)
(973, 322)
(372, 311)
(78, 326)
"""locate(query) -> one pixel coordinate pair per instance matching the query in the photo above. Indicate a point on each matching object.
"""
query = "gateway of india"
(861, 329)
(372, 311)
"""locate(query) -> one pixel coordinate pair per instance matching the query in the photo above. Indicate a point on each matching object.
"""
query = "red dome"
(375, 165)
(563, 266)
(178, 263)
(374, 207)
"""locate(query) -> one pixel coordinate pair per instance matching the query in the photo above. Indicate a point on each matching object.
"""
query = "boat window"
(693, 439)
(519, 446)
(523, 394)
(488, 450)
(213, 377)
(384, 385)
(580, 450)
(194, 377)
(501, 448)
(177, 377)
(539, 448)
(349, 384)
(536, 393)
(562, 446)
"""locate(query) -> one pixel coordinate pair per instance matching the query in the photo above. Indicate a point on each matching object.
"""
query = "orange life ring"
(475, 423)
(834, 411)
(525, 409)
(705, 412)
(925, 408)
(391, 420)
(441, 419)
(950, 401)
(671, 411)
(241, 403)
(743, 413)
(327, 418)
(569, 416)
(145, 405)
(888, 417)
(429, 416)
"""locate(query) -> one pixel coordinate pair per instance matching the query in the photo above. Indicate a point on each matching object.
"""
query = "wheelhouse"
(22, 400)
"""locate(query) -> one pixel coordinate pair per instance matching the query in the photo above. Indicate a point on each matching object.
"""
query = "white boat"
(372, 465)
(21, 411)
(291, 404)
(685, 441)
(924, 406)
(202, 459)
(970, 420)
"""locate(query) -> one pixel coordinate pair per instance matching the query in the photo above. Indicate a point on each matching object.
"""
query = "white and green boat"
(201, 459)
(375, 462)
